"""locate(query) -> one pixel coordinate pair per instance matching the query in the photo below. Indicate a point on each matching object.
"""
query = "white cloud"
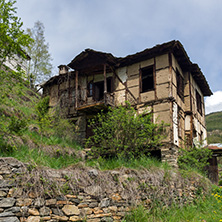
(214, 102)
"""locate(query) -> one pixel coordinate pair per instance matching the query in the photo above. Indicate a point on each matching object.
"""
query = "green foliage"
(214, 121)
(132, 163)
(194, 158)
(12, 38)
(40, 66)
(138, 214)
(42, 109)
(39, 157)
(206, 208)
(123, 132)
(214, 127)
(17, 125)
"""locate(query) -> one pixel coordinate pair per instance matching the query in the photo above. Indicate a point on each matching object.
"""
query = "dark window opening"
(147, 79)
(180, 85)
(90, 89)
(98, 91)
(199, 103)
(109, 82)
(155, 154)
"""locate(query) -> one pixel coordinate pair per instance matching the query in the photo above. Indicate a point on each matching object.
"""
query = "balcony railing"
(107, 100)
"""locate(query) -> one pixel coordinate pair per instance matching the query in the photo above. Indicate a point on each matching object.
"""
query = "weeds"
(133, 163)
(202, 209)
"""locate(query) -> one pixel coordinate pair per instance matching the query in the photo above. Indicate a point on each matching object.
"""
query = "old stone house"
(161, 80)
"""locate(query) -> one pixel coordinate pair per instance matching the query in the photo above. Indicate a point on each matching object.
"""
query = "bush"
(123, 132)
(194, 157)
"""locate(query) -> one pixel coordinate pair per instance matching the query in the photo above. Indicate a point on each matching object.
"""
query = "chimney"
(63, 69)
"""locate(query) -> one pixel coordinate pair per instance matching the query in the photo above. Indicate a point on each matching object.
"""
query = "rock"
(50, 202)
(33, 212)
(13, 209)
(7, 202)
(24, 210)
(33, 219)
(74, 218)
(70, 210)
(60, 218)
(93, 204)
(7, 214)
(2, 193)
(93, 173)
(6, 183)
(104, 203)
(39, 202)
(9, 219)
(116, 197)
(44, 211)
(93, 190)
(113, 208)
(57, 211)
(23, 202)
(106, 219)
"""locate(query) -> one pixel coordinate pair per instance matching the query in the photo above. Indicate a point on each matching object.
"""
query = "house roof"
(94, 59)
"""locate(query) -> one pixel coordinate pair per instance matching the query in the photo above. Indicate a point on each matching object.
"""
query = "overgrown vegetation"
(132, 163)
(122, 131)
(194, 158)
(202, 209)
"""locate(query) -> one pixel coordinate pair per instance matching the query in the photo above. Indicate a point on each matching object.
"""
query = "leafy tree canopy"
(12, 37)
(40, 67)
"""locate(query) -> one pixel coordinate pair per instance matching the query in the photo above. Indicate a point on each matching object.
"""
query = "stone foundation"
(32, 194)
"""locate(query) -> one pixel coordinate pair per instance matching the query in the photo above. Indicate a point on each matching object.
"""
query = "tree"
(123, 132)
(12, 37)
(40, 66)
(12, 42)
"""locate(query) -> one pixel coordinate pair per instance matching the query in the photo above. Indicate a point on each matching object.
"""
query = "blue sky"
(124, 27)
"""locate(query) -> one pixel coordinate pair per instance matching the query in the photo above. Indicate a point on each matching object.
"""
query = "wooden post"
(105, 82)
(76, 102)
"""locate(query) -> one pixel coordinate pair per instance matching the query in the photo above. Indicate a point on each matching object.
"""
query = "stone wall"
(32, 194)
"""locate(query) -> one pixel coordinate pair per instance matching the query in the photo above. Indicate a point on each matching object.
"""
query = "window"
(90, 89)
(199, 102)
(109, 82)
(147, 79)
(180, 85)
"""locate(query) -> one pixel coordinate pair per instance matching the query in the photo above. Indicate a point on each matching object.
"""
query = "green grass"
(40, 158)
(204, 209)
(133, 163)
(52, 140)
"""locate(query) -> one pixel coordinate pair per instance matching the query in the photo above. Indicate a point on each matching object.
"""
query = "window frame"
(148, 75)
(199, 103)
(180, 84)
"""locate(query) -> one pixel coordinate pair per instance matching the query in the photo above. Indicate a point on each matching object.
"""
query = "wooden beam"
(105, 82)
(127, 89)
(76, 102)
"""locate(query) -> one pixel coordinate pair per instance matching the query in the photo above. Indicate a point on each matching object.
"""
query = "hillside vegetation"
(214, 127)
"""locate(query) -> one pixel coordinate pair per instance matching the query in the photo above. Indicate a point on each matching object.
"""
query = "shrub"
(122, 132)
(194, 157)
(17, 125)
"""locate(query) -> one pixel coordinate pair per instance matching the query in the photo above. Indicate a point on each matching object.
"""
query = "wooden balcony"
(96, 106)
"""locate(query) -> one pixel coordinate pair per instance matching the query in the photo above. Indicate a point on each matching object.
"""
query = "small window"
(180, 85)
(110, 85)
(90, 89)
(199, 103)
(147, 80)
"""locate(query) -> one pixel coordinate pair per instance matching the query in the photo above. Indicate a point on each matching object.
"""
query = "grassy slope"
(21, 136)
(214, 127)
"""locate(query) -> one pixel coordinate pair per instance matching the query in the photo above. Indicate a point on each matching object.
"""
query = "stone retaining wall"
(28, 194)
